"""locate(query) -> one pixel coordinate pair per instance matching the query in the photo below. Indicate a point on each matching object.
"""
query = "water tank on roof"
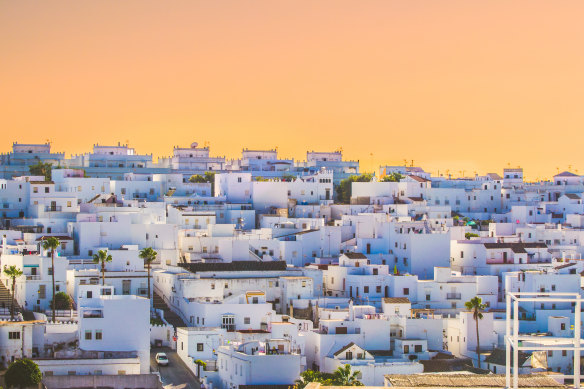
(194, 145)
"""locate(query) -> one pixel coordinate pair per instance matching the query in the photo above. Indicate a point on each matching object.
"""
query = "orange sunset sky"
(459, 85)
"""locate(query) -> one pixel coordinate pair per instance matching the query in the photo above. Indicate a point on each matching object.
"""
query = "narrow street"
(176, 375)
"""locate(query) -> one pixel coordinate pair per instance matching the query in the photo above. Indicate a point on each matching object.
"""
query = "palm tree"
(343, 376)
(102, 257)
(51, 243)
(200, 363)
(12, 272)
(476, 306)
(148, 255)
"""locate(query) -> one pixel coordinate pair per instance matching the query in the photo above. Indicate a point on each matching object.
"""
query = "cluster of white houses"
(264, 278)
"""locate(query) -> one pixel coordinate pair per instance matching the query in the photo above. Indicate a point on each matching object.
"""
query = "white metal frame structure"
(546, 343)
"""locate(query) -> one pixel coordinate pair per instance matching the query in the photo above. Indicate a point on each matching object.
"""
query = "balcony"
(53, 208)
(33, 277)
(499, 261)
(453, 296)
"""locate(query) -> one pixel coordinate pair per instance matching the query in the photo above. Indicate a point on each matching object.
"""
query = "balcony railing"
(33, 277)
(453, 296)
(53, 208)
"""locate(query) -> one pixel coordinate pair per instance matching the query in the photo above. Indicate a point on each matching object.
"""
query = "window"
(98, 335)
(199, 346)
(304, 284)
(406, 291)
(418, 348)
(378, 289)
(69, 204)
(563, 326)
(365, 289)
(406, 349)
(564, 353)
(14, 335)
(427, 297)
(348, 355)
(35, 189)
(246, 320)
(87, 335)
(550, 353)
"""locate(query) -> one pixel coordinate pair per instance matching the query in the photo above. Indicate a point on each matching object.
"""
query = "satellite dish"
(194, 145)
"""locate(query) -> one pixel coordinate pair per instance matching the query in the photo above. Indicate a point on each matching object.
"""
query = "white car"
(161, 359)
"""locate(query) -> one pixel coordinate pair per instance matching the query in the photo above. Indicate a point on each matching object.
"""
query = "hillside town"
(270, 272)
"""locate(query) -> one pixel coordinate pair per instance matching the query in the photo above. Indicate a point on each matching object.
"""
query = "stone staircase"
(6, 299)
(169, 315)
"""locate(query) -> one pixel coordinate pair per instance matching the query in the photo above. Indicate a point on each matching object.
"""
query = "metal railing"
(453, 296)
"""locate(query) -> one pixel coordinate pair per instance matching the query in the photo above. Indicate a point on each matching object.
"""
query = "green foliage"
(102, 257)
(288, 177)
(345, 187)
(63, 301)
(309, 376)
(22, 373)
(476, 306)
(155, 321)
(41, 169)
(207, 178)
(197, 179)
(469, 235)
(148, 255)
(343, 376)
(201, 363)
(12, 271)
(51, 244)
(393, 177)
(261, 179)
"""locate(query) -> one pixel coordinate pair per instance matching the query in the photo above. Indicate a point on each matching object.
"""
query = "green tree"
(51, 244)
(41, 169)
(200, 364)
(148, 255)
(13, 273)
(393, 177)
(210, 178)
(476, 306)
(469, 235)
(197, 179)
(22, 373)
(102, 257)
(344, 189)
(62, 301)
(343, 376)
(309, 376)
